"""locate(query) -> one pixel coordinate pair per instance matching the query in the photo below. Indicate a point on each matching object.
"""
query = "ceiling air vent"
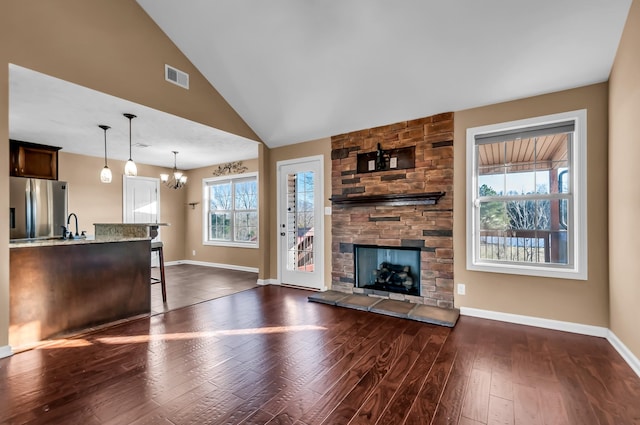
(176, 76)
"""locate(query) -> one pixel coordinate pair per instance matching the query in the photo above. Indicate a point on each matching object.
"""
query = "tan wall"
(96, 202)
(300, 150)
(624, 196)
(4, 189)
(111, 46)
(583, 302)
(245, 257)
(264, 219)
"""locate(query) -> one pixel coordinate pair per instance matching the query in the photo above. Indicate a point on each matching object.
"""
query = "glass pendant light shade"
(164, 177)
(130, 168)
(105, 174)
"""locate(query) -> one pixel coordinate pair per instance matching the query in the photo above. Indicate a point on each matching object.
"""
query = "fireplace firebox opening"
(387, 268)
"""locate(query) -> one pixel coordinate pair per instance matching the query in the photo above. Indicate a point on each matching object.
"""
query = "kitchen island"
(62, 286)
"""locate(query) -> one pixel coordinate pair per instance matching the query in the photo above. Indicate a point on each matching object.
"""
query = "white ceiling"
(297, 70)
(47, 110)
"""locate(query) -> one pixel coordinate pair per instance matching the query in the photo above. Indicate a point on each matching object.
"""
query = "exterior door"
(300, 223)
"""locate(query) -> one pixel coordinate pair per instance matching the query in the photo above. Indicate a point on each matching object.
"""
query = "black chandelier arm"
(172, 183)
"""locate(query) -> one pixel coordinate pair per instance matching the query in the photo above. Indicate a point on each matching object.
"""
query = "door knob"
(282, 233)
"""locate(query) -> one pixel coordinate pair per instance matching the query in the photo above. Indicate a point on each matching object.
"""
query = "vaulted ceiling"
(297, 70)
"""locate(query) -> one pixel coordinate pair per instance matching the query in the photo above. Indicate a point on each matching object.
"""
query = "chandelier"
(177, 180)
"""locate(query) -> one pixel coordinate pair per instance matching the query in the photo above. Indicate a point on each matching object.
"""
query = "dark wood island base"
(63, 288)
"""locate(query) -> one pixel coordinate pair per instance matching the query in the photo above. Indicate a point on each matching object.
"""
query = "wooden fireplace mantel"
(428, 198)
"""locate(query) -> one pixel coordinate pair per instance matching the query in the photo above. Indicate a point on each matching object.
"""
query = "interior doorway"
(141, 204)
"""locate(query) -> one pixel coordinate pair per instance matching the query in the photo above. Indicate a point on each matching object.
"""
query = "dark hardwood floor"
(266, 355)
(188, 284)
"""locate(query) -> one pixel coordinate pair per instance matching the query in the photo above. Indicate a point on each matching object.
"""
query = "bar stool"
(157, 247)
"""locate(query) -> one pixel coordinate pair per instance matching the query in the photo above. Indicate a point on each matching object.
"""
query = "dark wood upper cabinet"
(33, 160)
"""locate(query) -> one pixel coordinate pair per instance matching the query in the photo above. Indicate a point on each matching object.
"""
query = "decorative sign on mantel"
(384, 160)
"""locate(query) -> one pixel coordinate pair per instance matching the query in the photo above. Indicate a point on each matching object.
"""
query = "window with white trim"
(230, 210)
(526, 190)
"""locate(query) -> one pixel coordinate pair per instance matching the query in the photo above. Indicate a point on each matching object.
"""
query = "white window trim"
(205, 211)
(579, 184)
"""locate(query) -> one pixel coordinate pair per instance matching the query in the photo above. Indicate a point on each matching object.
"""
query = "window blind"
(525, 133)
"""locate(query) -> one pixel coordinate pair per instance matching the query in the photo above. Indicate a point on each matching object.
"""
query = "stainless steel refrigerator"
(38, 208)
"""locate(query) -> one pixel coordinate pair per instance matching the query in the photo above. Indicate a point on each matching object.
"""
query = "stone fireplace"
(384, 197)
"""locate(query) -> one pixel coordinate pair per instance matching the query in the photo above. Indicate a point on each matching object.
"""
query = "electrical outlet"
(193, 252)
(462, 289)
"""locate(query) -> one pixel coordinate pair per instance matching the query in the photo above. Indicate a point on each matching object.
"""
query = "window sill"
(524, 270)
(231, 244)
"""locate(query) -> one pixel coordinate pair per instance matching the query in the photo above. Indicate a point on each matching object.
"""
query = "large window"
(231, 211)
(527, 197)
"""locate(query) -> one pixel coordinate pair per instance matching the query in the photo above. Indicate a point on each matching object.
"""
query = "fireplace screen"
(391, 269)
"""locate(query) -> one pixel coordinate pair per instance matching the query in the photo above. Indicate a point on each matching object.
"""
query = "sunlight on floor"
(206, 334)
(136, 339)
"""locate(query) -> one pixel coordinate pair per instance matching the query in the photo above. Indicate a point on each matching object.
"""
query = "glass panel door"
(300, 223)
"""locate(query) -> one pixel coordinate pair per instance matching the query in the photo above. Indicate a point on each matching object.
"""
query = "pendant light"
(178, 179)
(130, 168)
(105, 174)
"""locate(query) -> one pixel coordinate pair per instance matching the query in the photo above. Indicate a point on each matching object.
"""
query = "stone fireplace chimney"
(392, 186)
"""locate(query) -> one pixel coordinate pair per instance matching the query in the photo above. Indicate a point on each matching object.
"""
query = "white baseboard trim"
(5, 351)
(558, 325)
(219, 265)
(172, 263)
(264, 282)
(626, 354)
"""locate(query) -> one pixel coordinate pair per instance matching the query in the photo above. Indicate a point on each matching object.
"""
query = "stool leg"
(162, 281)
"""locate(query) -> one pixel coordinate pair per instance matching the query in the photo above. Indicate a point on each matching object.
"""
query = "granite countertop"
(28, 243)
(127, 230)
(132, 224)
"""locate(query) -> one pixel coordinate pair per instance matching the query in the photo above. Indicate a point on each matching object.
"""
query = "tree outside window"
(232, 210)
(522, 211)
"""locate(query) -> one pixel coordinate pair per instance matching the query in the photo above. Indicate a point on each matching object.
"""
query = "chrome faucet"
(71, 235)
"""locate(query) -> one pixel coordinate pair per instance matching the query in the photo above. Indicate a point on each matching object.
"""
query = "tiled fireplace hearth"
(387, 205)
